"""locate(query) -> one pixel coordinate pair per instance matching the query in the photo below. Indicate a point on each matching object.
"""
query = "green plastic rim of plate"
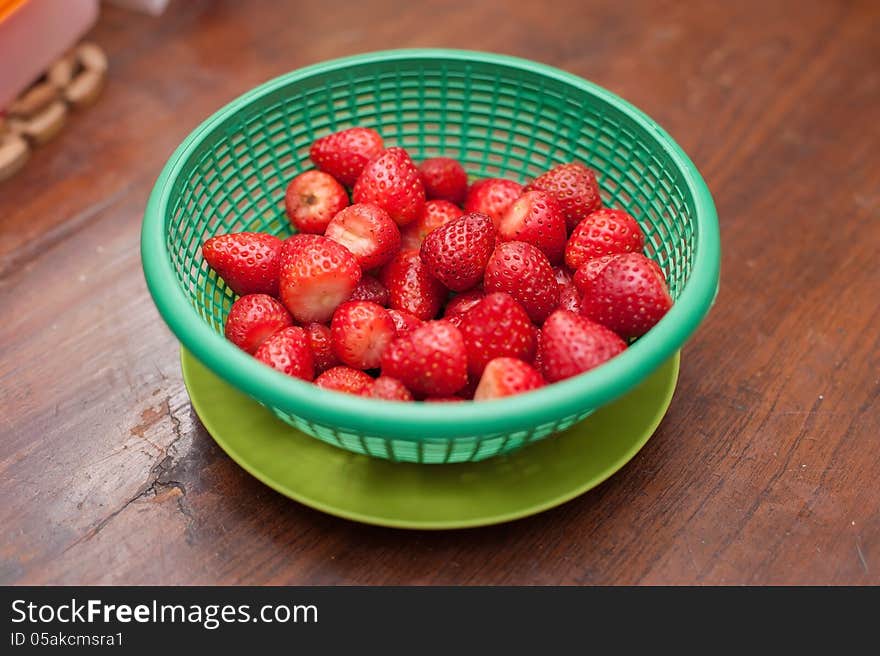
(411, 496)
(502, 117)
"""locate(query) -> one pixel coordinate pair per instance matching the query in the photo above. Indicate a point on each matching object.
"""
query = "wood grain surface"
(766, 469)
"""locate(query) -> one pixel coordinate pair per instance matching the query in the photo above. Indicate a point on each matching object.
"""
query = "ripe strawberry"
(345, 379)
(524, 272)
(535, 218)
(253, 318)
(572, 344)
(312, 199)
(317, 274)
(404, 321)
(506, 377)
(361, 331)
(627, 296)
(429, 360)
(461, 303)
(320, 339)
(389, 389)
(588, 271)
(444, 178)
(575, 188)
(497, 326)
(604, 232)
(370, 289)
(368, 232)
(288, 351)
(492, 197)
(456, 253)
(411, 288)
(569, 298)
(246, 261)
(345, 154)
(435, 214)
(392, 182)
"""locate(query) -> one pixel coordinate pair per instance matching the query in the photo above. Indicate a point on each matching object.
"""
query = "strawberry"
(604, 232)
(575, 189)
(506, 377)
(627, 296)
(461, 303)
(435, 214)
(535, 218)
(368, 232)
(411, 288)
(246, 261)
(389, 389)
(492, 197)
(456, 253)
(345, 154)
(444, 179)
(361, 331)
(429, 360)
(370, 289)
(563, 277)
(443, 399)
(345, 379)
(569, 298)
(320, 339)
(391, 181)
(572, 344)
(588, 271)
(253, 318)
(288, 351)
(404, 321)
(496, 326)
(312, 199)
(317, 274)
(525, 273)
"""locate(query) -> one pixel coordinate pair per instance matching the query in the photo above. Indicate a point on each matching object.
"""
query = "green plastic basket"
(500, 116)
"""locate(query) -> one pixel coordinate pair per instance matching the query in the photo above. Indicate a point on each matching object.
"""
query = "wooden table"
(766, 469)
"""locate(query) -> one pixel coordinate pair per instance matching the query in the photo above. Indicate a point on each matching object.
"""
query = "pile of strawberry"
(534, 284)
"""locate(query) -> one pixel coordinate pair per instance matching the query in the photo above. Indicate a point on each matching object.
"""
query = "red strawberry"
(312, 199)
(411, 288)
(571, 344)
(496, 326)
(444, 178)
(345, 379)
(429, 360)
(535, 218)
(317, 274)
(492, 197)
(361, 331)
(524, 272)
(506, 377)
(404, 321)
(604, 232)
(563, 277)
(288, 351)
(368, 232)
(435, 214)
(370, 289)
(461, 303)
(392, 182)
(390, 389)
(627, 296)
(456, 253)
(588, 271)
(569, 299)
(253, 318)
(320, 339)
(345, 154)
(575, 188)
(247, 261)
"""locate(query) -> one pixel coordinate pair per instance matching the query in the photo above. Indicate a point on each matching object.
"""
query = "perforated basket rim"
(422, 421)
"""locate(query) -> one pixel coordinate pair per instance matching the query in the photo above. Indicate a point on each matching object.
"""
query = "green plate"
(402, 495)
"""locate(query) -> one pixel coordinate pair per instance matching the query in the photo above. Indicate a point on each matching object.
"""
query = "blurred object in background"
(34, 34)
(154, 7)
